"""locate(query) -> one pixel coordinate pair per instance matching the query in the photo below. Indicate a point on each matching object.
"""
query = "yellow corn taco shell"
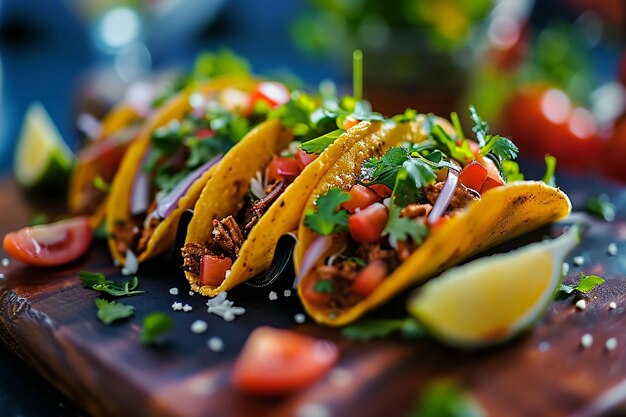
(501, 214)
(118, 203)
(256, 254)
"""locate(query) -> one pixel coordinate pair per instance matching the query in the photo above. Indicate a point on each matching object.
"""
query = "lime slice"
(494, 298)
(42, 159)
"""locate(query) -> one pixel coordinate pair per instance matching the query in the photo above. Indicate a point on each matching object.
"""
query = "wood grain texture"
(49, 319)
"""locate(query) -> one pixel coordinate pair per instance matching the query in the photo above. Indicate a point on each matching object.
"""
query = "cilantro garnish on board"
(328, 218)
(601, 206)
(155, 325)
(369, 329)
(585, 284)
(97, 281)
(108, 312)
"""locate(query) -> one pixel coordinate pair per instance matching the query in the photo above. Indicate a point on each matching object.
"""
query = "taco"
(175, 154)
(263, 189)
(399, 216)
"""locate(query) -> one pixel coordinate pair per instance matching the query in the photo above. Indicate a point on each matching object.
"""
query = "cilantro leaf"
(155, 325)
(369, 329)
(548, 177)
(355, 259)
(89, 279)
(511, 171)
(97, 281)
(108, 312)
(409, 115)
(100, 184)
(601, 206)
(401, 228)
(318, 145)
(481, 128)
(501, 147)
(324, 286)
(444, 398)
(328, 218)
(384, 170)
(449, 146)
(585, 284)
(413, 176)
(39, 219)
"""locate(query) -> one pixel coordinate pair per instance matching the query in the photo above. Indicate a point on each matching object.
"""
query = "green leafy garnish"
(585, 284)
(369, 329)
(356, 260)
(601, 206)
(409, 115)
(384, 170)
(401, 228)
(481, 128)
(548, 177)
(39, 219)
(499, 146)
(444, 398)
(324, 286)
(155, 325)
(89, 279)
(97, 281)
(318, 145)
(512, 171)
(108, 312)
(328, 218)
(101, 184)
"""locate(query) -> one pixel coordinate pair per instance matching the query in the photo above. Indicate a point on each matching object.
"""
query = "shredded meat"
(373, 251)
(414, 211)
(228, 236)
(126, 235)
(341, 275)
(259, 207)
(147, 233)
(192, 256)
(462, 194)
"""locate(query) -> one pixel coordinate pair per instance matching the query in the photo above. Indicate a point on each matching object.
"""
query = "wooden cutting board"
(49, 320)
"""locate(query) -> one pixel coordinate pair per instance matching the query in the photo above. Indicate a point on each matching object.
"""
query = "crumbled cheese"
(340, 377)
(586, 340)
(224, 308)
(612, 249)
(581, 304)
(215, 344)
(312, 410)
(5, 262)
(610, 344)
(579, 260)
(612, 305)
(565, 268)
(299, 318)
(177, 306)
(187, 308)
(273, 296)
(543, 347)
(287, 293)
(199, 326)
(191, 292)
(131, 264)
(174, 291)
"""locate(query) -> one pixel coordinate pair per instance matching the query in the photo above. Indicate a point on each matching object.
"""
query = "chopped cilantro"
(324, 286)
(108, 312)
(511, 171)
(548, 177)
(444, 398)
(39, 219)
(409, 115)
(481, 128)
(318, 145)
(97, 281)
(384, 170)
(585, 284)
(356, 260)
(328, 218)
(155, 325)
(499, 146)
(369, 329)
(601, 206)
(401, 228)
(89, 279)
(447, 144)
(101, 184)
(413, 176)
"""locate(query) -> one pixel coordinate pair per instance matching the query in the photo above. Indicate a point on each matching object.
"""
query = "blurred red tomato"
(621, 69)
(615, 152)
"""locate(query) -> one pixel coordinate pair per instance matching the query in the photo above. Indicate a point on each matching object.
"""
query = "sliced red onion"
(443, 200)
(168, 203)
(140, 194)
(140, 96)
(317, 249)
(89, 125)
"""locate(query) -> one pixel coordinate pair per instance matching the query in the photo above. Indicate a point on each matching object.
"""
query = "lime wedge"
(492, 299)
(42, 158)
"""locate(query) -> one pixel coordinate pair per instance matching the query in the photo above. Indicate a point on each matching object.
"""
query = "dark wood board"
(49, 320)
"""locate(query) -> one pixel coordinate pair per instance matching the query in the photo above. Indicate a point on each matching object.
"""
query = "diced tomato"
(489, 184)
(205, 133)
(367, 225)
(381, 189)
(278, 362)
(282, 168)
(315, 297)
(370, 277)
(272, 93)
(473, 175)
(51, 244)
(348, 123)
(303, 159)
(360, 197)
(213, 270)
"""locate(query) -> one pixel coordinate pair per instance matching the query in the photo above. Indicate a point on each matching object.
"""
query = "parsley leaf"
(318, 145)
(108, 312)
(97, 281)
(548, 177)
(444, 398)
(401, 228)
(89, 279)
(585, 284)
(329, 218)
(601, 206)
(369, 329)
(155, 325)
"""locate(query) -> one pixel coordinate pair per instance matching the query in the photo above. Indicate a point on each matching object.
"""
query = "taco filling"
(367, 230)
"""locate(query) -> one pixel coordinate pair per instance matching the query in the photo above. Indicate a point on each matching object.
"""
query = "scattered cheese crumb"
(340, 377)
(544, 347)
(586, 341)
(299, 318)
(174, 291)
(612, 249)
(187, 308)
(612, 305)
(579, 260)
(581, 304)
(611, 344)
(273, 296)
(131, 264)
(215, 344)
(224, 308)
(565, 268)
(177, 306)
(199, 326)
(191, 293)
(312, 410)
(5, 262)
(287, 293)
(1, 276)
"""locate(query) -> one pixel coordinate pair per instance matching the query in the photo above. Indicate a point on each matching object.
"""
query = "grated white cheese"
(191, 293)
(581, 304)
(273, 296)
(187, 308)
(586, 340)
(5, 262)
(224, 308)
(174, 291)
(215, 344)
(199, 326)
(612, 305)
(313, 410)
(579, 260)
(610, 344)
(177, 306)
(340, 377)
(612, 249)
(299, 318)
(565, 268)
(131, 264)
(287, 293)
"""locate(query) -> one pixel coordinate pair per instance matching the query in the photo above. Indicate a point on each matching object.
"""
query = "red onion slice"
(140, 194)
(317, 249)
(169, 202)
(443, 200)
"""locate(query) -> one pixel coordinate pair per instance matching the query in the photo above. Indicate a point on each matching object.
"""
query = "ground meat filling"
(462, 194)
(227, 234)
(192, 256)
(146, 234)
(126, 234)
(259, 207)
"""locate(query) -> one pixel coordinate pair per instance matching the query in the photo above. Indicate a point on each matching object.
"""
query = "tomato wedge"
(367, 225)
(360, 197)
(303, 159)
(473, 175)
(381, 189)
(315, 297)
(272, 93)
(52, 244)
(283, 169)
(370, 277)
(278, 362)
(213, 269)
